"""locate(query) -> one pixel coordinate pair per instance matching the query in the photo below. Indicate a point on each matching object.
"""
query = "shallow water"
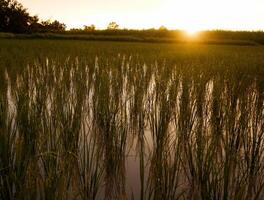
(119, 130)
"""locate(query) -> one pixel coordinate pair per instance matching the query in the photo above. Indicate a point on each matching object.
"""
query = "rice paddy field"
(116, 120)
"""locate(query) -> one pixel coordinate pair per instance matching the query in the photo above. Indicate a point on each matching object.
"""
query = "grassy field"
(119, 120)
(242, 38)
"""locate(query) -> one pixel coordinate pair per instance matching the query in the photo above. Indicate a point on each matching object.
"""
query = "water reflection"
(120, 129)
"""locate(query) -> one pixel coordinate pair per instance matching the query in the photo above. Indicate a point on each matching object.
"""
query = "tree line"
(16, 19)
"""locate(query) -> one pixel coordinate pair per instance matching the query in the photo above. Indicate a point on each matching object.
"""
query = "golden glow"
(193, 15)
(189, 15)
(191, 32)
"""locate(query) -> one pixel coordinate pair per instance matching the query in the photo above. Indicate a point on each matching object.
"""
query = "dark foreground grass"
(73, 114)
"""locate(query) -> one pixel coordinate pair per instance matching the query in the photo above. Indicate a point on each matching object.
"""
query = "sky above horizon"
(190, 15)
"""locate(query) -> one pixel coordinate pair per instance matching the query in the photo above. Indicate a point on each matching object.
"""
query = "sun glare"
(191, 32)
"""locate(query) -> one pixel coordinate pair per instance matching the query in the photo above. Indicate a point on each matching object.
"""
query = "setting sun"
(132, 99)
(191, 32)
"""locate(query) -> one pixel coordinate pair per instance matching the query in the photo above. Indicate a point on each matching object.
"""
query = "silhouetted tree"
(54, 26)
(163, 28)
(112, 26)
(3, 14)
(15, 18)
(89, 28)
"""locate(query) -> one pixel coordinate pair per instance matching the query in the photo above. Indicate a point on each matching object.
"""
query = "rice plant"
(105, 120)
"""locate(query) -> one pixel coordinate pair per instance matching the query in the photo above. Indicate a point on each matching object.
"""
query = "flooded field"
(105, 120)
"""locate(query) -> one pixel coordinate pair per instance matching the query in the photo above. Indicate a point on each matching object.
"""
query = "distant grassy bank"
(152, 36)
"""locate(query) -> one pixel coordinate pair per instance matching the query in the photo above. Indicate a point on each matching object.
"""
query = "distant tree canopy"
(15, 18)
(163, 28)
(89, 28)
(112, 26)
(52, 26)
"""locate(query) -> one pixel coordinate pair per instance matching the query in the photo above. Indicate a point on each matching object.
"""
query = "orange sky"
(189, 15)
